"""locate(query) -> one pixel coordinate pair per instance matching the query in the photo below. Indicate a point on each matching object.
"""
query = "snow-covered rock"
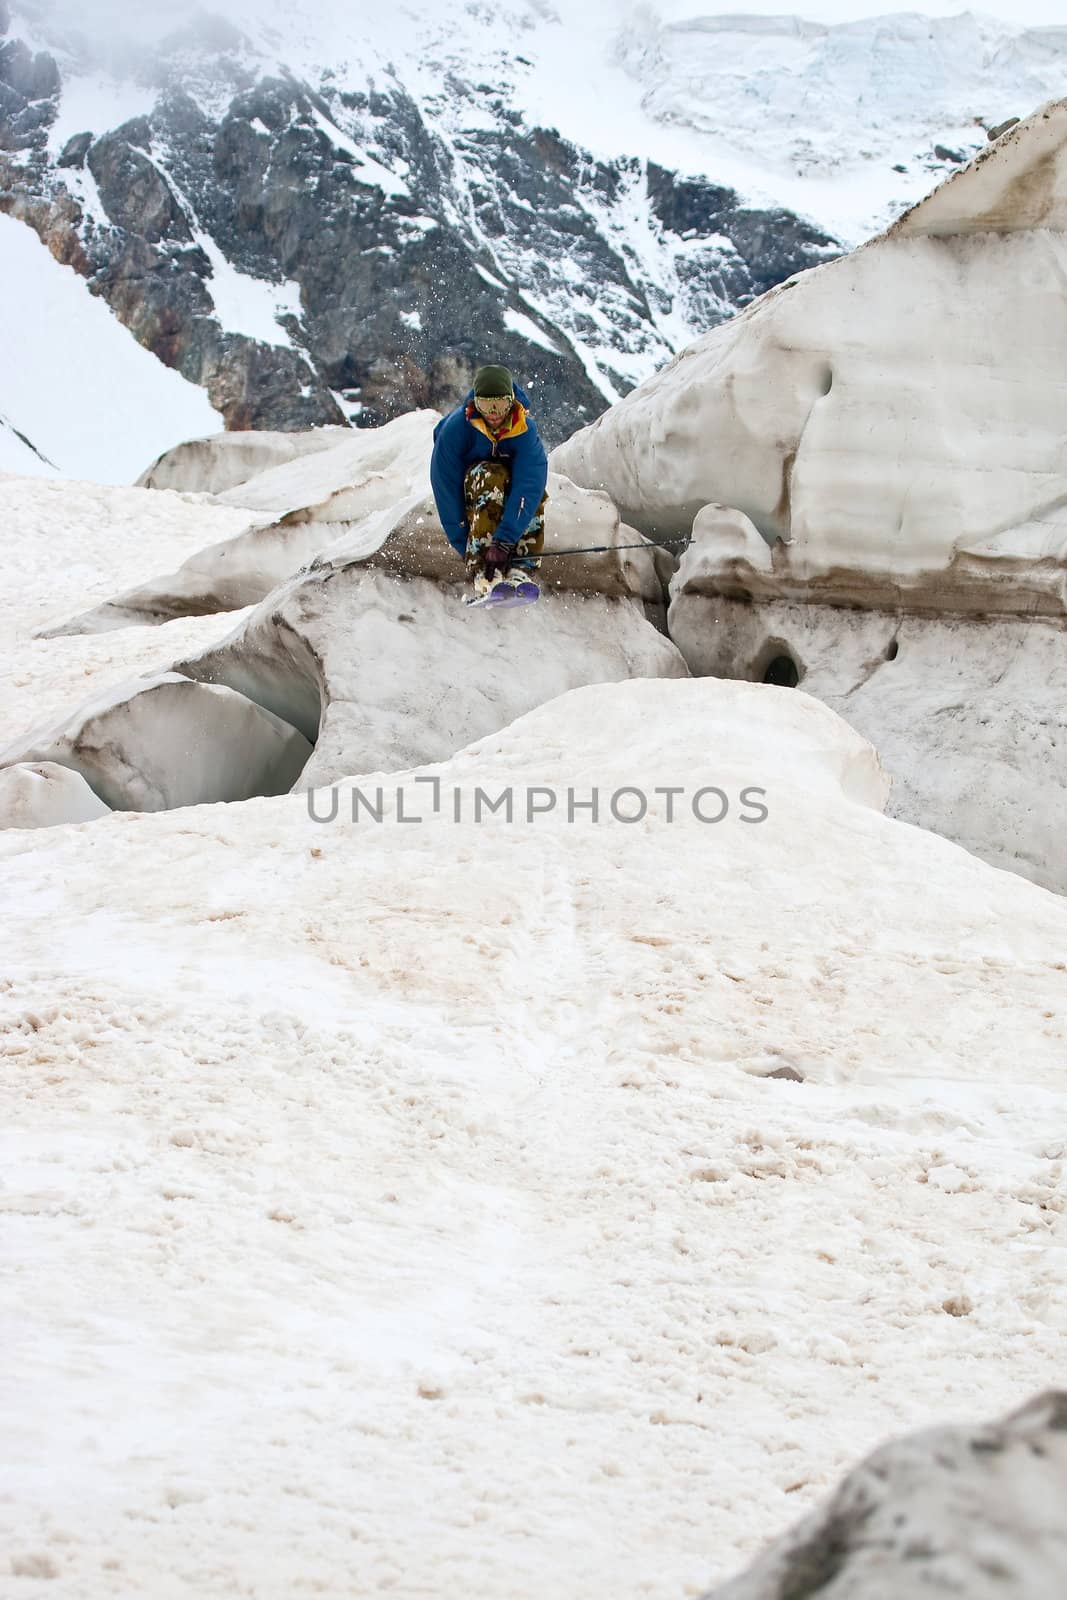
(321, 216)
(43, 795)
(949, 1511)
(167, 741)
(894, 419)
(234, 188)
(312, 247)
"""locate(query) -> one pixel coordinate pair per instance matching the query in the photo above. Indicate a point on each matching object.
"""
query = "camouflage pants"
(485, 489)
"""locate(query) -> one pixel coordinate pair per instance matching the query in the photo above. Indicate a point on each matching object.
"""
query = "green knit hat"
(493, 383)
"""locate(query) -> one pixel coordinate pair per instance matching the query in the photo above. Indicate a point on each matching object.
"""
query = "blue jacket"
(461, 439)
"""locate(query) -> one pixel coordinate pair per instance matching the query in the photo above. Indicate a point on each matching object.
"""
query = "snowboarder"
(488, 473)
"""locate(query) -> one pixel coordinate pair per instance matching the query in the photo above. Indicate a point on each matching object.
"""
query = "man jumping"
(488, 473)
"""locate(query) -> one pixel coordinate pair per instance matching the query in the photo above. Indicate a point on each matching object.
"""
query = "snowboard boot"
(483, 583)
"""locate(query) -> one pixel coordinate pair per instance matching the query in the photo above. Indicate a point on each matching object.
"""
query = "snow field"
(407, 1209)
(68, 544)
(45, 679)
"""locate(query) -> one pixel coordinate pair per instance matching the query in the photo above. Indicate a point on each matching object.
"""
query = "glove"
(496, 555)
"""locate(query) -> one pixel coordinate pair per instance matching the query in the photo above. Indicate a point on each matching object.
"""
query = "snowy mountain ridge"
(754, 101)
(319, 218)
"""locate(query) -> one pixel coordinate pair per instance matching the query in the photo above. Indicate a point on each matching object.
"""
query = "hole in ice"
(782, 670)
(776, 663)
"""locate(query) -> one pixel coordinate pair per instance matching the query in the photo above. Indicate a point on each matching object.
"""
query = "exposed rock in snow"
(44, 794)
(80, 398)
(19, 454)
(220, 462)
(322, 215)
(896, 418)
(167, 741)
(949, 1511)
(384, 672)
(237, 195)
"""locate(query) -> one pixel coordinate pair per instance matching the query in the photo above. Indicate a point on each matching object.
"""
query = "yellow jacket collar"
(516, 422)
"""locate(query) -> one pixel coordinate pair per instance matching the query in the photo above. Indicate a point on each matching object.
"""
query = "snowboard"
(506, 594)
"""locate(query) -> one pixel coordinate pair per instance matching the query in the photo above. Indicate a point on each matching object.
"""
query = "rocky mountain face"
(404, 240)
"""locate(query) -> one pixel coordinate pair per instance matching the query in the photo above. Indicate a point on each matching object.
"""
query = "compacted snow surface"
(68, 545)
(410, 1209)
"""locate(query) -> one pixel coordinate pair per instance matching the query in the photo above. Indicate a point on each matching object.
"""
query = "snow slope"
(89, 399)
(324, 1269)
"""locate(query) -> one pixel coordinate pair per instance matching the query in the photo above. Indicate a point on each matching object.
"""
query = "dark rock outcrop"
(33, 77)
(137, 197)
(75, 150)
(768, 246)
(29, 89)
